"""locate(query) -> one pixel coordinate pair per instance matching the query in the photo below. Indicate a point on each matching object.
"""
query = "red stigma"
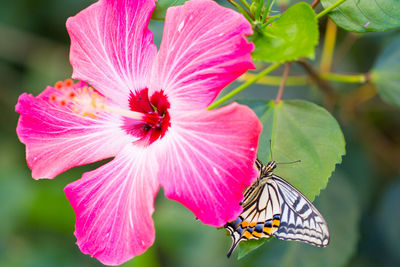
(156, 121)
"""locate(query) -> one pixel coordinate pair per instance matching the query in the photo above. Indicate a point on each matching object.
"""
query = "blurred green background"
(360, 204)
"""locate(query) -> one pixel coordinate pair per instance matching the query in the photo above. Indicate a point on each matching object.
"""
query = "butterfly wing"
(300, 220)
(260, 216)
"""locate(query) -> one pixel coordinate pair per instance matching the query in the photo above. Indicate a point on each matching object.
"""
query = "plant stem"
(282, 85)
(314, 4)
(242, 10)
(329, 9)
(245, 85)
(267, 10)
(329, 46)
(245, 4)
(304, 80)
(358, 78)
(276, 80)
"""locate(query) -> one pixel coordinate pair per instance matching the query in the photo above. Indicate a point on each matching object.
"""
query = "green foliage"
(386, 73)
(338, 205)
(148, 259)
(292, 36)
(14, 197)
(162, 6)
(300, 130)
(390, 217)
(365, 16)
(248, 246)
(185, 241)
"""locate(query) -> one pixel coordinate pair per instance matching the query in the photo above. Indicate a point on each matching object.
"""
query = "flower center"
(156, 120)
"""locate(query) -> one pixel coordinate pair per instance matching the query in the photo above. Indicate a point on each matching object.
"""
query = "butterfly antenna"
(270, 149)
(290, 162)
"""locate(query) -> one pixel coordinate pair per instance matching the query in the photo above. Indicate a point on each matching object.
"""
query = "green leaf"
(300, 130)
(338, 205)
(365, 16)
(162, 6)
(248, 246)
(385, 73)
(293, 35)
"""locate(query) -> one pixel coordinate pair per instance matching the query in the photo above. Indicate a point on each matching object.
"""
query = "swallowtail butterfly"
(273, 207)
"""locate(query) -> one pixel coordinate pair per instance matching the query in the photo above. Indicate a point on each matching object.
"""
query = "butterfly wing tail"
(236, 238)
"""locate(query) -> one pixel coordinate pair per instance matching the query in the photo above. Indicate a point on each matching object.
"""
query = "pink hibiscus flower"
(148, 112)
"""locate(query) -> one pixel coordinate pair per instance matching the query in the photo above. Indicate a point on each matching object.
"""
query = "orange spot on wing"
(245, 224)
(256, 234)
(253, 224)
(267, 230)
(247, 234)
(276, 223)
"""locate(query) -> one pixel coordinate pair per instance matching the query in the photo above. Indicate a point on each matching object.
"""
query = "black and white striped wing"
(300, 220)
(264, 206)
(260, 216)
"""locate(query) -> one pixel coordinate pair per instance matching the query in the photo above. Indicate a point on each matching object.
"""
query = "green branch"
(329, 9)
(242, 10)
(245, 4)
(357, 78)
(304, 80)
(294, 80)
(245, 85)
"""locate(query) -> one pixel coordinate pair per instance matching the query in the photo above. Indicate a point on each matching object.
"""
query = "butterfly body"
(273, 207)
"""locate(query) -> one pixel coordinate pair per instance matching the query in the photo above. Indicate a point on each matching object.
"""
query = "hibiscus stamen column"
(85, 101)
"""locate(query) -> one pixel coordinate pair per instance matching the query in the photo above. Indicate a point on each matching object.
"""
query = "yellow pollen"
(86, 101)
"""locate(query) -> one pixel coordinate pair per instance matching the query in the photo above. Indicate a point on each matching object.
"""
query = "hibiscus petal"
(203, 49)
(111, 46)
(113, 206)
(57, 139)
(208, 159)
